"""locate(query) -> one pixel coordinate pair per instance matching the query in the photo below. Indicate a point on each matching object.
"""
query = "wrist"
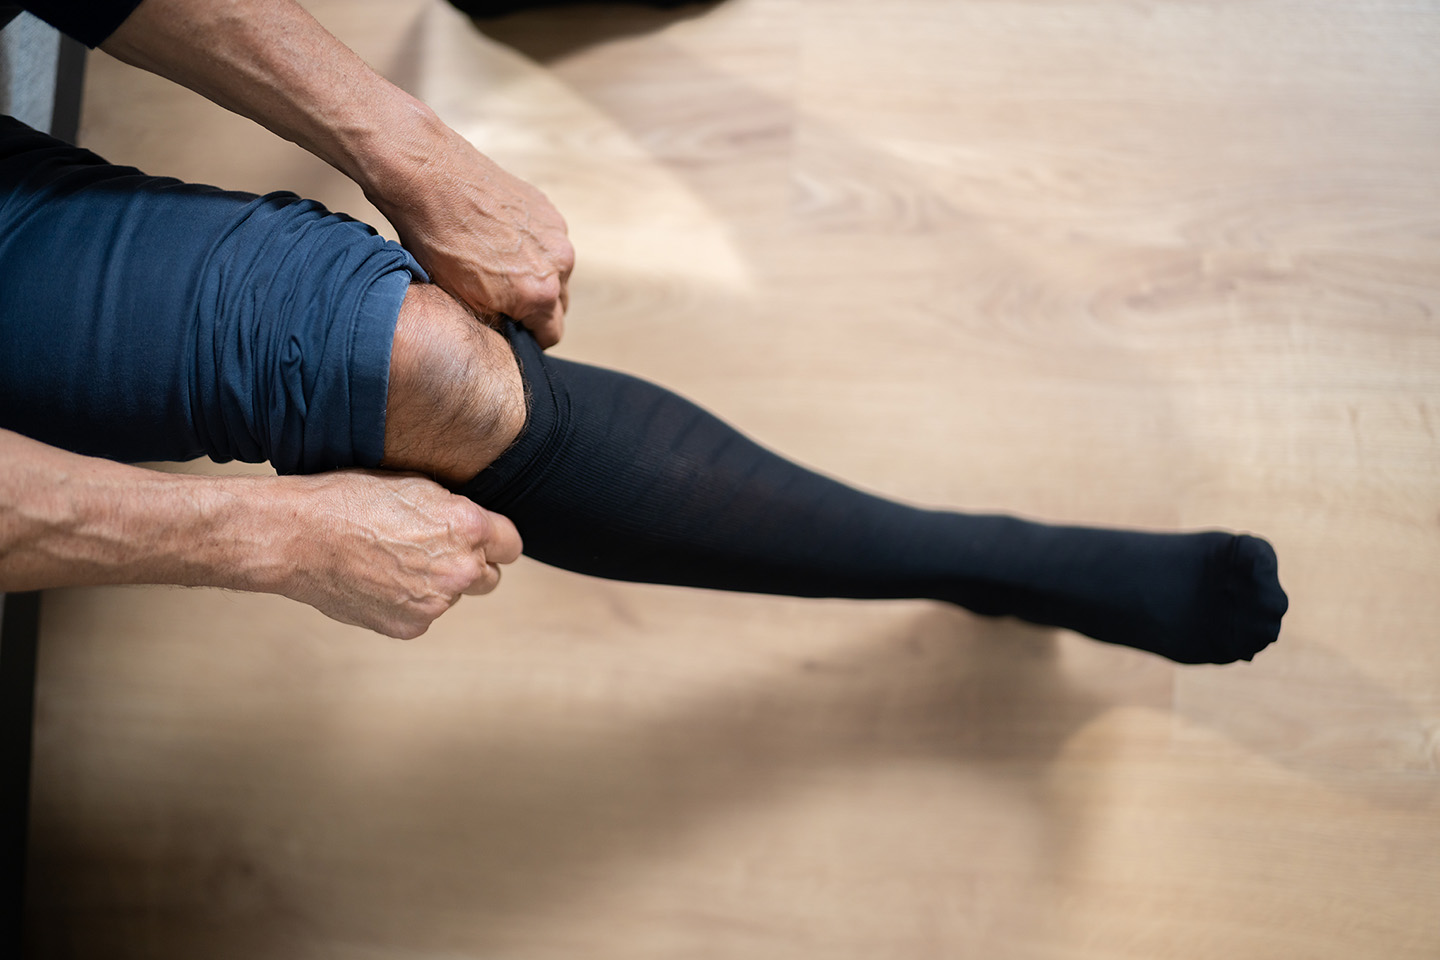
(248, 533)
(394, 153)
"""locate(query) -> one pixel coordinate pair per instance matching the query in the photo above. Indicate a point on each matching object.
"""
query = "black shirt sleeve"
(89, 21)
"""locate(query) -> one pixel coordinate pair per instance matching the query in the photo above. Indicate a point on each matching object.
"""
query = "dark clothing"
(142, 318)
(89, 21)
(619, 478)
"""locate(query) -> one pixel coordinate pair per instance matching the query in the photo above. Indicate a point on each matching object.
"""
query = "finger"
(562, 251)
(548, 328)
(500, 543)
(495, 321)
(489, 307)
(488, 580)
(492, 538)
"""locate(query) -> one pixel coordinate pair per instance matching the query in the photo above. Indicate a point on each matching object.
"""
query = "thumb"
(499, 541)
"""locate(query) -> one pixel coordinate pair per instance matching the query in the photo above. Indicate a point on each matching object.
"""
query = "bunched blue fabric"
(142, 318)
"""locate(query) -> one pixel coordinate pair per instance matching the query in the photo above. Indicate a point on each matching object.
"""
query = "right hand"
(391, 552)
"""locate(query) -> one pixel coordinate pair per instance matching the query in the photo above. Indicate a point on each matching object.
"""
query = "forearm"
(69, 520)
(271, 61)
(490, 239)
(389, 552)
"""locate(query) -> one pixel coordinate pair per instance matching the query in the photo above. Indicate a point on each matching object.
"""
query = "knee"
(456, 400)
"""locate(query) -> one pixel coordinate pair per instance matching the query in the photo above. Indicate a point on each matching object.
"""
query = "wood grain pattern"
(1145, 263)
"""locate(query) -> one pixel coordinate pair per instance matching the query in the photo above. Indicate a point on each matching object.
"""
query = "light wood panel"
(1144, 263)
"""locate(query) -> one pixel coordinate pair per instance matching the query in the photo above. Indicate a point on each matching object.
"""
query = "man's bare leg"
(456, 400)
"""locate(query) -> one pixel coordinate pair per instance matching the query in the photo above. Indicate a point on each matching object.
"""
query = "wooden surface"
(1146, 263)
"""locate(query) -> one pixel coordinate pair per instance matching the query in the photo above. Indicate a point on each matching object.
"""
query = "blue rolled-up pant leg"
(142, 318)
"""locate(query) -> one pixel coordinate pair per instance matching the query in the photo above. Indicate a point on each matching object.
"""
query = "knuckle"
(564, 255)
(470, 522)
(541, 291)
(406, 629)
(448, 581)
(488, 580)
(469, 570)
(421, 615)
(502, 544)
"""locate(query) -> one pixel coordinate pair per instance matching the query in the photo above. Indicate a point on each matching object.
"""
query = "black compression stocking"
(618, 478)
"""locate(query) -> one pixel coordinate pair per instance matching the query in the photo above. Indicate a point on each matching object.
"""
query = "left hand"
(487, 237)
(490, 239)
